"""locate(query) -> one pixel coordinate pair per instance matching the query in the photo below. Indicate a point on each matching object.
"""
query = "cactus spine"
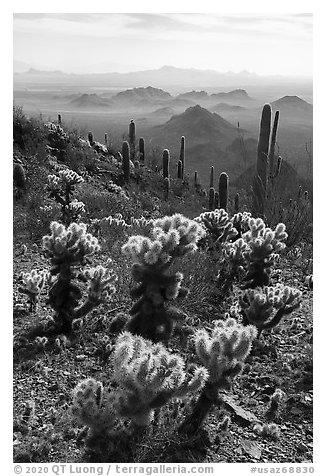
(141, 150)
(211, 180)
(126, 160)
(166, 163)
(223, 186)
(132, 138)
(182, 155)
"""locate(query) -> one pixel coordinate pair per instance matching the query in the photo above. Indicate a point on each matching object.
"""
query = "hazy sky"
(94, 42)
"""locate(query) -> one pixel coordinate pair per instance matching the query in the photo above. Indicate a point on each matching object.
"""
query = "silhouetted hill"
(90, 100)
(163, 111)
(198, 125)
(224, 107)
(238, 96)
(292, 104)
(137, 95)
(207, 137)
(194, 95)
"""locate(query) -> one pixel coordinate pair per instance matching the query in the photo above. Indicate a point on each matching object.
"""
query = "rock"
(302, 447)
(241, 416)
(251, 448)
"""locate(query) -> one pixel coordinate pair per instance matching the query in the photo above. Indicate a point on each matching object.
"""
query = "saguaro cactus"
(216, 200)
(236, 203)
(271, 155)
(223, 186)
(126, 160)
(166, 188)
(19, 176)
(196, 183)
(132, 138)
(263, 144)
(59, 119)
(211, 179)
(211, 198)
(182, 155)
(180, 170)
(106, 139)
(166, 163)
(90, 138)
(141, 150)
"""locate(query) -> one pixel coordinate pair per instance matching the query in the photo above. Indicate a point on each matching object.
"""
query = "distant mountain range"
(167, 76)
(150, 97)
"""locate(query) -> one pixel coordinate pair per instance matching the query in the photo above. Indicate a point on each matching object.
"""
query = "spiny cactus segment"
(264, 243)
(32, 285)
(61, 187)
(172, 237)
(222, 352)
(218, 225)
(94, 407)
(69, 249)
(149, 376)
(265, 307)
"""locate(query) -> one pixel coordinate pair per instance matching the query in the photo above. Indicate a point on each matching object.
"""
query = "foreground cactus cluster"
(69, 250)
(152, 315)
(61, 187)
(143, 373)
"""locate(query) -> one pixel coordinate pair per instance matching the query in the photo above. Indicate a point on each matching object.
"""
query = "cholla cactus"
(149, 376)
(275, 403)
(107, 224)
(222, 353)
(218, 225)
(69, 249)
(264, 244)
(32, 285)
(240, 222)
(94, 407)
(141, 222)
(57, 137)
(172, 237)
(61, 187)
(100, 283)
(265, 307)
(267, 430)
